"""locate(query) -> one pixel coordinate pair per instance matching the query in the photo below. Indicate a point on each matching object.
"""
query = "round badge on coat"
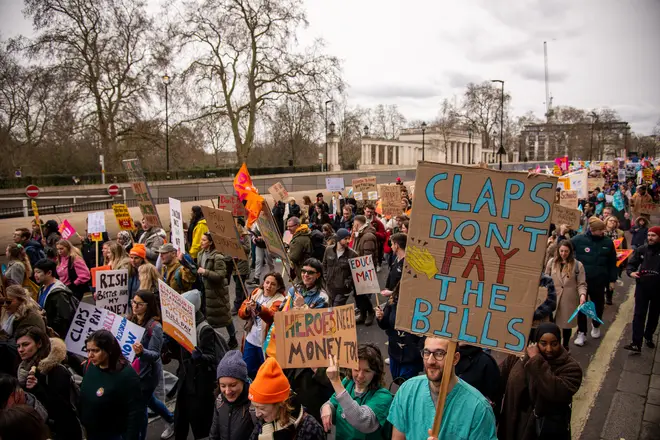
(100, 392)
(587, 249)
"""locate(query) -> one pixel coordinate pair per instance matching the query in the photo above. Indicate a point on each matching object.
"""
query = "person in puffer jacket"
(232, 417)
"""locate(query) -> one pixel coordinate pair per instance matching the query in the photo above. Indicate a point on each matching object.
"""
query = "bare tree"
(481, 109)
(447, 121)
(387, 121)
(244, 59)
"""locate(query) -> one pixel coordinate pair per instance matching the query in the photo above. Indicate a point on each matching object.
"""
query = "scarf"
(268, 429)
(24, 369)
(8, 324)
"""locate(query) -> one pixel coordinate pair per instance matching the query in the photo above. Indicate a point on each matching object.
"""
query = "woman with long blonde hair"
(19, 267)
(19, 311)
(118, 259)
(148, 276)
(71, 269)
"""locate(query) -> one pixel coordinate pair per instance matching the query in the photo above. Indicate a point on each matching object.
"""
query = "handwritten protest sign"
(307, 338)
(648, 208)
(123, 216)
(647, 175)
(568, 198)
(270, 233)
(569, 216)
(223, 230)
(178, 317)
(476, 245)
(579, 182)
(364, 274)
(334, 184)
(391, 199)
(89, 318)
(66, 229)
(366, 188)
(279, 192)
(96, 222)
(233, 204)
(176, 219)
(595, 182)
(112, 290)
(138, 181)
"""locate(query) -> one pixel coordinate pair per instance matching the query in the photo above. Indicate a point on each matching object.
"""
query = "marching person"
(346, 220)
(596, 252)
(539, 389)
(72, 270)
(125, 240)
(379, 227)
(644, 267)
(360, 404)
(33, 248)
(196, 230)
(55, 298)
(365, 243)
(467, 413)
(20, 311)
(152, 238)
(337, 270)
(175, 274)
(399, 242)
(300, 247)
(232, 415)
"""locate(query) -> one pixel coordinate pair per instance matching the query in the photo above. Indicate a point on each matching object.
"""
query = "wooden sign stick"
(442, 397)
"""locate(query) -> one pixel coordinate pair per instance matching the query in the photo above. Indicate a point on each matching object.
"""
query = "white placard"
(579, 182)
(112, 290)
(89, 318)
(621, 175)
(178, 317)
(176, 219)
(334, 183)
(364, 274)
(96, 222)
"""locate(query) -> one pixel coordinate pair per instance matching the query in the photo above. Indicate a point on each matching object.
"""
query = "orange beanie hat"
(270, 385)
(138, 250)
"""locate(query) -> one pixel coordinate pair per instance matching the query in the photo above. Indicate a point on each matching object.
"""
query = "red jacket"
(380, 230)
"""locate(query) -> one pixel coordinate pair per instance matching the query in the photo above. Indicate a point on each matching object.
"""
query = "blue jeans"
(253, 357)
(158, 407)
(405, 370)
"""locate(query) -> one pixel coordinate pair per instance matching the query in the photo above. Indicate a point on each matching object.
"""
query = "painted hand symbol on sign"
(421, 261)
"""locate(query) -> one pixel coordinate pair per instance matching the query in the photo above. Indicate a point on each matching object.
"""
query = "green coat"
(215, 288)
(300, 248)
(598, 256)
(379, 401)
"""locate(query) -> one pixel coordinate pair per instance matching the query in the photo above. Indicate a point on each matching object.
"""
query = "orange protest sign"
(622, 256)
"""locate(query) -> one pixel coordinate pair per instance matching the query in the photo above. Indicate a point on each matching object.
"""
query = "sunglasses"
(308, 272)
(5, 302)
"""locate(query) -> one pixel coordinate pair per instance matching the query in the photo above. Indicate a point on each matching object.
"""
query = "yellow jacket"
(196, 245)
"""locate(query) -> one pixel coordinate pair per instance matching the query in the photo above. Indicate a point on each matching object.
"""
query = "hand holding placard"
(421, 261)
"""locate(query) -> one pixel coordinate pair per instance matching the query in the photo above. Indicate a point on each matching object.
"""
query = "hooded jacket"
(366, 242)
(34, 251)
(53, 390)
(337, 271)
(60, 306)
(196, 243)
(300, 248)
(480, 370)
(646, 261)
(639, 232)
(215, 288)
(232, 420)
(153, 239)
(598, 256)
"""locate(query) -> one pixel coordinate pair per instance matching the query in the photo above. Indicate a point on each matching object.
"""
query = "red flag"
(248, 193)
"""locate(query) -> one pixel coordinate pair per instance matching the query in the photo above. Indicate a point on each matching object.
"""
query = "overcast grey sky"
(414, 53)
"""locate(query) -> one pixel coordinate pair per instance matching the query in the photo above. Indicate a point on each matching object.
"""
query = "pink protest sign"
(66, 229)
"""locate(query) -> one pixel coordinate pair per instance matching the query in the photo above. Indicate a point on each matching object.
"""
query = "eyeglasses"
(438, 355)
(308, 272)
(138, 304)
(5, 302)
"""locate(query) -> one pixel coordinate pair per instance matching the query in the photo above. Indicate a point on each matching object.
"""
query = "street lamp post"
(591, 144)
(501, 150)
(469, 130)
(166, 81)
(326, 133)
(423, 140)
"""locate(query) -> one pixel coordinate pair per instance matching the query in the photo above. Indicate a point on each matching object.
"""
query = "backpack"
(318, 246)
(220, 346)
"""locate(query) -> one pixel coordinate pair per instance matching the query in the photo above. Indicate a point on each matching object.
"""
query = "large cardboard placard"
(176, 220)
(89, 318)
(595, 182)
(228, 202)
(475, 251)
(649, 208)
(563, 215)
(365, 188)
(391, 199)
(578, 181)
(178, 317)
(138, 181)
(364, 274)
(112, 290)
(568, 198)
(334, 184)
(123, 216)
(279, 192)
(307, 338)
(96, 222)
(223, 230)
(270, 233)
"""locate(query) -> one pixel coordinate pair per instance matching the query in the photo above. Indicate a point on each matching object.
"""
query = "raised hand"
(421, 261)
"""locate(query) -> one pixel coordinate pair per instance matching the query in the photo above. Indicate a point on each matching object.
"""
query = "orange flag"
(248, 193)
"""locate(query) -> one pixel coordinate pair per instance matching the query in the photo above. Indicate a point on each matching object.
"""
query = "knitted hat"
(233, 365)
(596, 224)
(138, 250)
(655, 230)
(195, 297)
(342, 233)
(270, 385)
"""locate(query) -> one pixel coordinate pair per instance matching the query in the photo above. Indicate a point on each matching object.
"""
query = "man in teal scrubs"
(467, 415)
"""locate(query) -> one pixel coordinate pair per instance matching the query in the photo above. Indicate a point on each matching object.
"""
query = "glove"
(196, 354)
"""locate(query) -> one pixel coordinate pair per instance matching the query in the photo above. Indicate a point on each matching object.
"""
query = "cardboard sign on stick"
(89, 318)
(364, 274)
(568, 198)
(365, 185)
(334, 184)
(279, 192)
(270, 233)
(307, 338)
(222, 228)
(176, 219)
(391, 197)
(231, 203)
(476, 245)
(178, 317)
(563, 215)
(138, 181)
(95, 222)
(123, 216)
(112, 290)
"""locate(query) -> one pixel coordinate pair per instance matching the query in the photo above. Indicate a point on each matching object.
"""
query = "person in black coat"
(344, 221)
(196, 373)
(294, 208)
(480, 370)
(278, 215)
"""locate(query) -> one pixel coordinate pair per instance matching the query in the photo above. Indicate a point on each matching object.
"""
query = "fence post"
(25, 208)
(124, 194)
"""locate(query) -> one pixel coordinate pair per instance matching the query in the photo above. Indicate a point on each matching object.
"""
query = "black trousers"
(595, 294)
(194, 412)
(363, 303)
(647, 311)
